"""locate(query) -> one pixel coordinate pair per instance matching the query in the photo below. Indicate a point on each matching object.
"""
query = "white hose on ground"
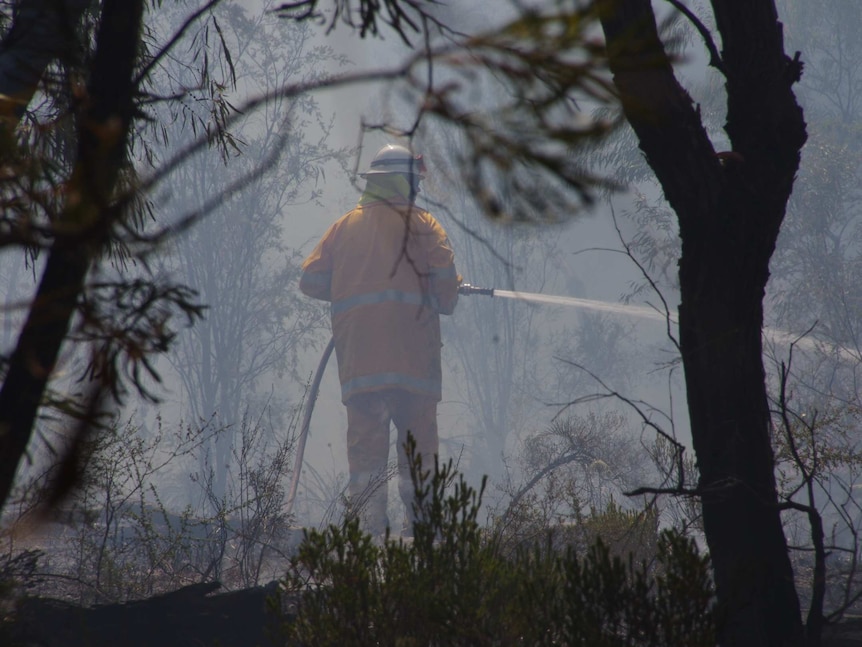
(310, 399)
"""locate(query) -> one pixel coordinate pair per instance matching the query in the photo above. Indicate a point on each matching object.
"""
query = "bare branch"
(636, 406)
(714, 57)
(165, 50)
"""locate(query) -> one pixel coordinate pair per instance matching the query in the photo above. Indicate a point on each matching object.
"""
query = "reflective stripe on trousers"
(392, 380)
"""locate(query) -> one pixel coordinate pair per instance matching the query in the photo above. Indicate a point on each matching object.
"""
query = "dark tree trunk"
(729, 212)
(81, 233)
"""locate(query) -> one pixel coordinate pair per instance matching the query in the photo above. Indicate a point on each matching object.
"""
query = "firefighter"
(388, 271)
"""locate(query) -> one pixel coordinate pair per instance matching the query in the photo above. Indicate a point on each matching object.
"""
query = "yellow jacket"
(388, 270)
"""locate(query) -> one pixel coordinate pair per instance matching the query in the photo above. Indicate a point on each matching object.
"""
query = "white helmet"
(393, 158)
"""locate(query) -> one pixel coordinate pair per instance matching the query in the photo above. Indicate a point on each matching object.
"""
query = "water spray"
(774, 336)
(779, 337)
(574, 302)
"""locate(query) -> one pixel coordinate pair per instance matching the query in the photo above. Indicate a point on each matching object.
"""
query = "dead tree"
(730, 208)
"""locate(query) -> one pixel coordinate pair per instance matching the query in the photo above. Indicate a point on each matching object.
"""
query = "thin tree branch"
(714, 57)
(189, 21)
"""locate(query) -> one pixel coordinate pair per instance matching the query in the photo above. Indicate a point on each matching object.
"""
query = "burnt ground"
(844, 634)
(194, 615)
(199, 615)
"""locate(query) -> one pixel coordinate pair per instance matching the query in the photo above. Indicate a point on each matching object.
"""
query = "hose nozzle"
(466, 288)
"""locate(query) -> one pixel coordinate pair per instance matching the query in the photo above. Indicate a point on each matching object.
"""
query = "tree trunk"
(81, 232)
(729, 216)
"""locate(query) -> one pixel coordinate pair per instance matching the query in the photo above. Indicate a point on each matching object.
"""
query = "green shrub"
(452, 586)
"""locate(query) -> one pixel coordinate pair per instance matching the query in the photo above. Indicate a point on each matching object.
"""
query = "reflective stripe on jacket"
(388, 270)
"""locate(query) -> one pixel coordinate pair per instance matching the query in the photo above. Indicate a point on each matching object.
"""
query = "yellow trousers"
(368, 421)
